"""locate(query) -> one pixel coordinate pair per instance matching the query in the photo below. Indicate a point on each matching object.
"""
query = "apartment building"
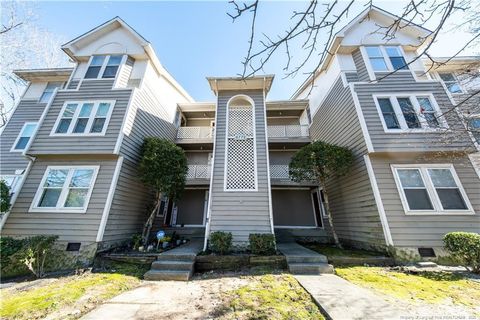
(71, 148)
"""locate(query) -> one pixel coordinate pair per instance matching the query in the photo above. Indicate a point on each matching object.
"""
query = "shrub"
(4, 197)
(262, 243)
(9, 247)
(34, 253)
(220, 242)
(464, 246)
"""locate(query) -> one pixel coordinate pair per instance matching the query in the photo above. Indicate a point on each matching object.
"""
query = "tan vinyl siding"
(26, 111)
(69, 226)
(128, 212)
(455, 139)
(355, 214)
(428, 230)
(89, 90)
(241, 213)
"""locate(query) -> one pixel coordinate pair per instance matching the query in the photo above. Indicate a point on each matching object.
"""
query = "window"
(396, 58)
(431, 189)
(65, 189)
(23, 139)
(451, 82)
(377, 61)
(105, 67)
(386, 58)
(474, 127)
(84, 118)
(405, 112)
(47, 94)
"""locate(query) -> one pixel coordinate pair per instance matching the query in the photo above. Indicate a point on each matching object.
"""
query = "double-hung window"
(102, 66)
(83, 118)
(428, 189)
(474, 126)
(451, 82)
(25, 136)
(65, 189)
(409, 112)
(47, 93)
(386, 58)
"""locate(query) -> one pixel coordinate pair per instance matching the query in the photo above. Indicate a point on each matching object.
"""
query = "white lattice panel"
(240, 170)
(198, 171)
(287, 131)
(195, 132)
(279, 171)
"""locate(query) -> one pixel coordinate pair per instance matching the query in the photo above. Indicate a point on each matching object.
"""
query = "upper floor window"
(24, 137)
(430, 189)
(103, 67)
(404, 112)
(451, 82)
(386, 58)
(65, 189)
(83, 118)
(47, 94)
(474, 127)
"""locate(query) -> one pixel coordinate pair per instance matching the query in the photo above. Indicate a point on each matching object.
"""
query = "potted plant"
(136, 241)
(166, 242)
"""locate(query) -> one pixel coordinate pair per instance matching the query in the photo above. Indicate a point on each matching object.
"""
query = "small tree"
(163, 167)
(320, 161)
(4, 197)
(35, 251)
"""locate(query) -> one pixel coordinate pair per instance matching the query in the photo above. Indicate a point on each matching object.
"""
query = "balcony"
(279, 175)
(288, 133)
(198, 174)
(195, 134)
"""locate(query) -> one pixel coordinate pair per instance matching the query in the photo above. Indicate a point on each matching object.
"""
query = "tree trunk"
(330, 220)
(148, 225)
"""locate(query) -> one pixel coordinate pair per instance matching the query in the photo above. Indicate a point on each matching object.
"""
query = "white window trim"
(63, 195)
(69, 133)
(12, 149)
(435, 200)
(53, 91)
(254, 134)
(386, 58)
(104, 65)
(399, 114)
(462, 89)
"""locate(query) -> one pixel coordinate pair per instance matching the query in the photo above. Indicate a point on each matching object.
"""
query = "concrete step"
(307, 259)
(172, 265)
(310, 268)
(176, 257)
(178, 275)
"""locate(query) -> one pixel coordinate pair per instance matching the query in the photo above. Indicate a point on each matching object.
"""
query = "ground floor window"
(431, 189)
(65, 189)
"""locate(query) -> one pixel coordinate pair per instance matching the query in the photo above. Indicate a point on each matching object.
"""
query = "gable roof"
(337, 40)
(112, 24)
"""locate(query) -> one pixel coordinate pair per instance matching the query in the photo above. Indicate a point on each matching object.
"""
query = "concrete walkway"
(302, 260)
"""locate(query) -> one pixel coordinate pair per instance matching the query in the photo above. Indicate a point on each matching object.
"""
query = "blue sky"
(193, 40)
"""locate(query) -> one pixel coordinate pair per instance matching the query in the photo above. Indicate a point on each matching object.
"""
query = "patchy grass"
(269, 297)
(427, 287)
(330, 251)
(67, 297)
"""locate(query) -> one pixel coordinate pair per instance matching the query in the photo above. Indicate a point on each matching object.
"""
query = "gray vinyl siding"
(130, 204)
(241, 213)
(362, 72)
(147, 118)
(355, 214)
(89, 90)
(454, 139)
(124, 74)
(73, 84)
(77, 227)
(469, 107)
(351, 76)
(191, 207)
(26, 111)
(292, 208)
(428, 230)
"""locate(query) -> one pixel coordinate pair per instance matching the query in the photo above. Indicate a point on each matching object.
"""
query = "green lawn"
(269, 297)
(67, 294)
(330, 251)
(429, 287)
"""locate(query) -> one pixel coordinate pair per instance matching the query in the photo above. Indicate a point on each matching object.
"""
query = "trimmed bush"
(262, 243)
(11, 266)
(464, 246)
(220, 242)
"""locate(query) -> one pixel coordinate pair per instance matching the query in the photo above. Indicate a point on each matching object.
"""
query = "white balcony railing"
(287, 131)
(279, 171)
(198, 171)
(195, 133)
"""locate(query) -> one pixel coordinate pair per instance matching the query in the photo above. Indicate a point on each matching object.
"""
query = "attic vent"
(426, 252)
(73, 246)
(240, 165)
